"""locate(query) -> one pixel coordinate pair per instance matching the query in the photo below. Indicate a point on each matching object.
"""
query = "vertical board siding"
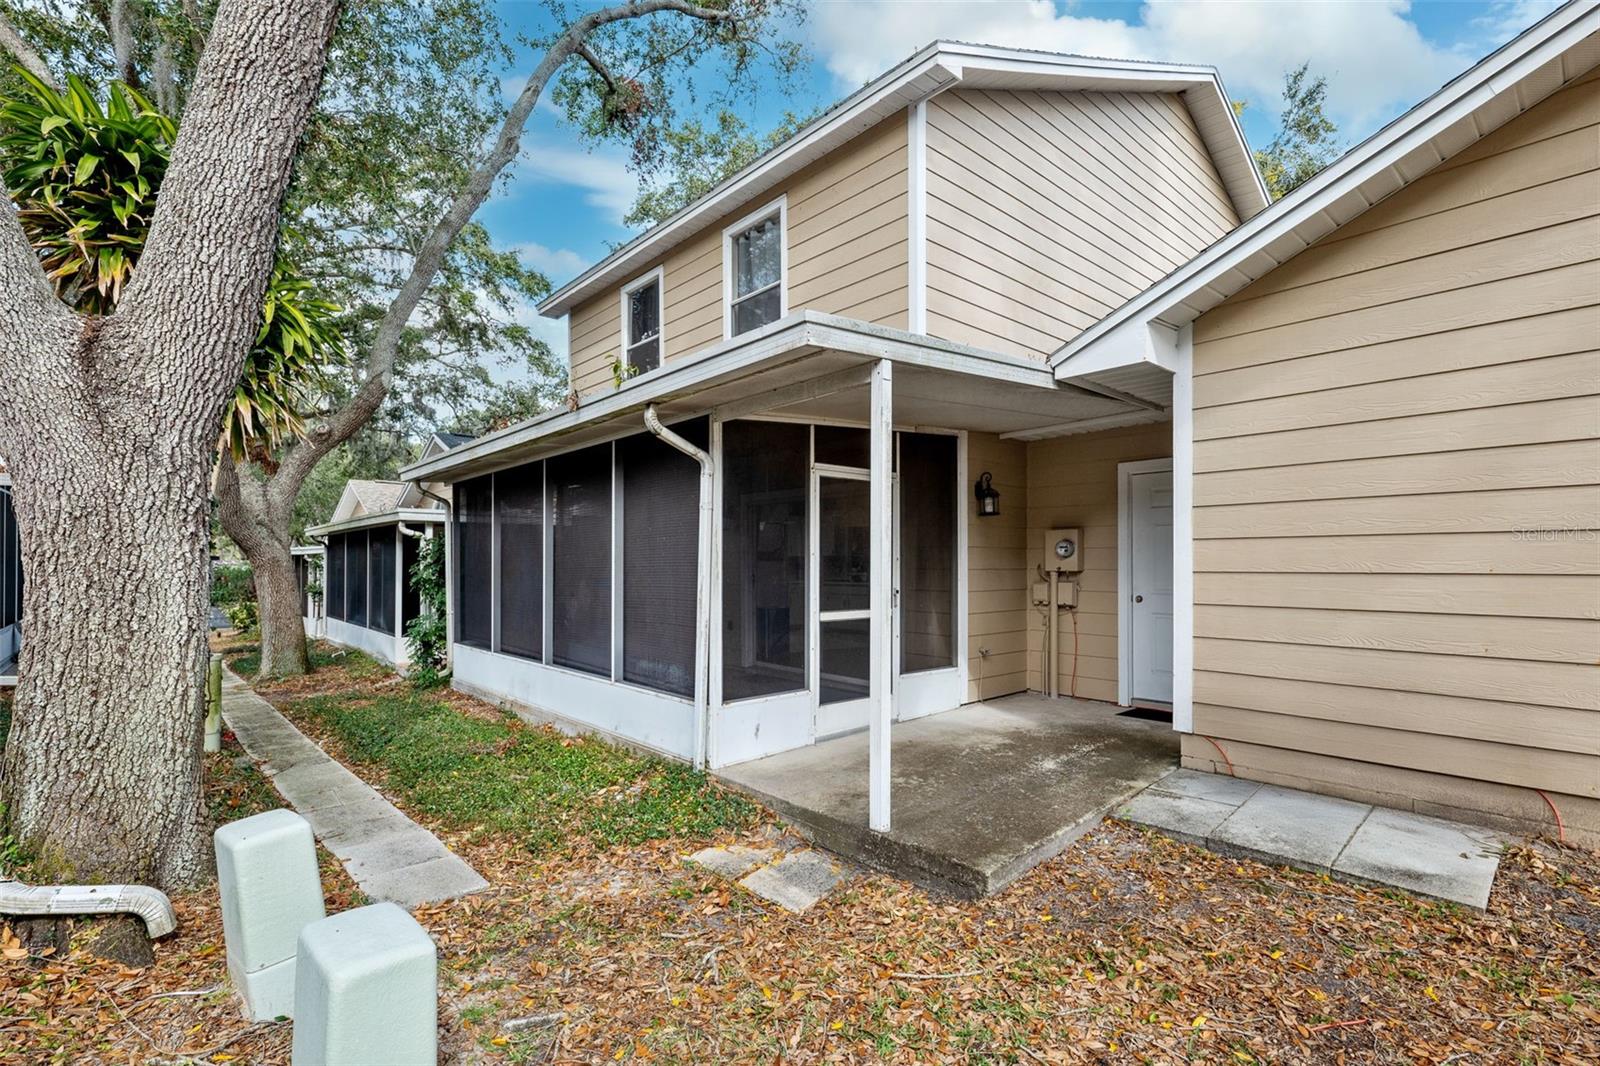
(997, 570)
(848, 247)
(1047, 210)
(1072, 482)
(1397, 493)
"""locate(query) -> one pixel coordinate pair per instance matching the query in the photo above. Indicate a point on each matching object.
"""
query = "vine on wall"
(427, 633)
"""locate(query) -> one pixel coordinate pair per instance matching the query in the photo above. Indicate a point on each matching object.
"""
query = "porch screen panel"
(580, 513)
(519, 522)
(355, 577)
(410, 601)
(929, 512)
(474, 550)
(660, 556)
(333, 581)
(384, 563)
(765, 467)
(301, 578)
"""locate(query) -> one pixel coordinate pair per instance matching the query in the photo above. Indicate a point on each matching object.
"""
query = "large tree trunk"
(253, 512)
(109, 427)
(102, 771)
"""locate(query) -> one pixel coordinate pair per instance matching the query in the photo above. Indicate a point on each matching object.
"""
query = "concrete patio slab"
(1351, 841)
(797, 880)
(390, 856)
(1428, 856)
(980, 794)
(1283, 825)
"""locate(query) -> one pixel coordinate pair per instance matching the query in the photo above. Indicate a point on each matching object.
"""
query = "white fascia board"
(1306, 206)
(307, 549)
(387, 518)
(786, 338)
(1132, 343)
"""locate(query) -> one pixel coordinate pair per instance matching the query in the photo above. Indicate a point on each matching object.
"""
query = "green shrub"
(427, 633)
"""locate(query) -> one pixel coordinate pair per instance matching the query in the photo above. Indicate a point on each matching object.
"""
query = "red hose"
(1561, 826)
(1224, 755)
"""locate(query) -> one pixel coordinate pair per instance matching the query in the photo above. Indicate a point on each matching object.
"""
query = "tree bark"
(109, 427)
(252, 512)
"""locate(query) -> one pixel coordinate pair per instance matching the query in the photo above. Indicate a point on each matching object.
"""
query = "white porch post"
(881, 627)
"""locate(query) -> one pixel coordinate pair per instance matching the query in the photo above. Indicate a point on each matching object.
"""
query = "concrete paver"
(1283, 825)
(1429, 856)
(733, 861)
(1185, 817)
(390, 856)
(797, 880)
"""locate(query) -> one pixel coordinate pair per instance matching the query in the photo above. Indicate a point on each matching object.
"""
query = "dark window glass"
(765, 471)
(301, 580)
(644, 327)
(844, 446)
(580, 510)
(10, 563)
(660, 550)
(410, 599)
(383, 571)
(474, 551)
(757, 275)
(519, 517)
(333, 586)
(844, 544)
(355, 576)
(928, 516)
(846, 648)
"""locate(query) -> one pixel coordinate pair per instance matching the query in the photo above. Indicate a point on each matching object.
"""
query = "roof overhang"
(307, 549)
(1132, 348)
(806, 365)
(386, 518)
(939, 66)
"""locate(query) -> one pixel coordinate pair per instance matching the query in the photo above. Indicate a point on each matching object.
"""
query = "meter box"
(1063, 550)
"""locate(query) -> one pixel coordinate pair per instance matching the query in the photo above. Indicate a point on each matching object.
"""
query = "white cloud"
(1506, 19)
(1373, 56)
(557, 264)
(602, 174)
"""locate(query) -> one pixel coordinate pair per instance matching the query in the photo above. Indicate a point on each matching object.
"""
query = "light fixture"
(988, 498)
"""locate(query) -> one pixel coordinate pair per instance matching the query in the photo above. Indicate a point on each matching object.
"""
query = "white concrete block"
(271, 889)
(366, 990)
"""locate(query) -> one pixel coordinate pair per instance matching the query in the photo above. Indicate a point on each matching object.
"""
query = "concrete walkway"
(1350, 841)
(390, 856)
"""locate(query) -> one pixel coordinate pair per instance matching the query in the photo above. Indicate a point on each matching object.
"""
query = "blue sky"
(563, 206)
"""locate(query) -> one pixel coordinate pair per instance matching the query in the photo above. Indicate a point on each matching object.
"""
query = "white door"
(1150, 591)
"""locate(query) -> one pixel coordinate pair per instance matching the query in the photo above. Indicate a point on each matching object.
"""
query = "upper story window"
(755, 262)
(641, 322)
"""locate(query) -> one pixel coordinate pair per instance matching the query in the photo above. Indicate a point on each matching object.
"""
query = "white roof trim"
(789, 337)
(386, 518)
(933, 69)
(1436, 129)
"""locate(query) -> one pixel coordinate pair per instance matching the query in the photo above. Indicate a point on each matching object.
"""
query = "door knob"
(1138, 599)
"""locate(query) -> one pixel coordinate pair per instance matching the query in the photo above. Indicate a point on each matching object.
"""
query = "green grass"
(245, 659)
(538, 785)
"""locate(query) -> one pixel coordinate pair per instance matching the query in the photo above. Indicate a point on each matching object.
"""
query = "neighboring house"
(1328, 507)
(10, 585)
(310, 565)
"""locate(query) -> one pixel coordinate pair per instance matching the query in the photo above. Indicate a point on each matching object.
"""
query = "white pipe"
(408, 531)
(60, 901)
(1052, 649)
(702, 633)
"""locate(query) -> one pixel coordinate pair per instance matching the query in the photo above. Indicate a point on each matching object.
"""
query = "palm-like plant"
(84, 180)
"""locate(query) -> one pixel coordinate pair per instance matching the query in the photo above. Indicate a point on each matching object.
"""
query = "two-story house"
(1002, 375)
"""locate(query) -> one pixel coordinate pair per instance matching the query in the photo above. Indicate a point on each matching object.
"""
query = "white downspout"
(61, 901)
(702, 633)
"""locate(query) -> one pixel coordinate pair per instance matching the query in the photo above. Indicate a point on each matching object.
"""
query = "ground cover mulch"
(1128, 948)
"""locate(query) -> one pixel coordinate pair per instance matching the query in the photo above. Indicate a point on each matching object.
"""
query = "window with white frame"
(754, 257)
(641, 323)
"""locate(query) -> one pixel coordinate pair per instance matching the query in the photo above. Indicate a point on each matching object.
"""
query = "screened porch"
(819, 470)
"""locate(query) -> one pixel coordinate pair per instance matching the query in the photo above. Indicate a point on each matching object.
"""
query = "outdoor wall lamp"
(988, 498)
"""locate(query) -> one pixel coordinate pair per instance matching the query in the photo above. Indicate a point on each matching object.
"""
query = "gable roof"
(1140, 337)
(931, 70)
(362, 497)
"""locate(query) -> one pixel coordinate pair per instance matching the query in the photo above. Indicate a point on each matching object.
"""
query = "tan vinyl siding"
(847, 244)
(1072, 482)
(997, 571)
(1397, 494)
(1045, 211)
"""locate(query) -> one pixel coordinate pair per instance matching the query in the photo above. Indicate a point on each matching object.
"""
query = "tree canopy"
(1307, 139)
